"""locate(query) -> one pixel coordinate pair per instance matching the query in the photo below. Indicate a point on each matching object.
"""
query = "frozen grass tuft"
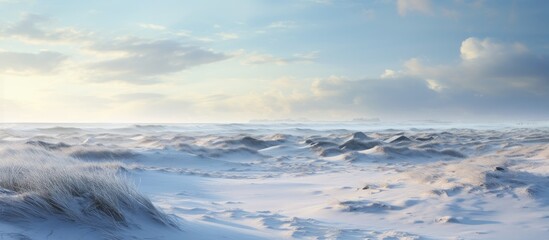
(36, 184)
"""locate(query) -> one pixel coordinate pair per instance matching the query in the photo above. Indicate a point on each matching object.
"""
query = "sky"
(236, 61)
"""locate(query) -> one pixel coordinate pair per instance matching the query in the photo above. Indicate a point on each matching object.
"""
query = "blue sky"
(233, 61)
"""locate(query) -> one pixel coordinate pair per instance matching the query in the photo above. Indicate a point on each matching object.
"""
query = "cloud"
(373, 95)
(474, 48)
(144, 61)
(388, 73)
(32, 28)
(129, 59)
(228, 36)
(405, 98)
(30, 63)
(488, 67)
(490, 80)
(434, 85)
(331, 98)
(152, 26)
(406, 6)
(255, 58)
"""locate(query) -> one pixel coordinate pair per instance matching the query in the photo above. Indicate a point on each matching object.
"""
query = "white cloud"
(228, 36)
(406, 6)
(434, 85)
(473, 48)
(152, 26)
(388, 73)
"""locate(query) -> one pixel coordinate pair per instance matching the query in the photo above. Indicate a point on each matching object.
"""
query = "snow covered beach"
(274, 181)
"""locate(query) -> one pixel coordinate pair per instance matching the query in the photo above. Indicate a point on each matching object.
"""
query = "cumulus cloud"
(473, 48)
(406, 6)
(491, 79)
(388, 73)
(143, 61)
(30, 63)
(488, 67)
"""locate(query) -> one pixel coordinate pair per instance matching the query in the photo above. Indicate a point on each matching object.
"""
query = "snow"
(278, 181)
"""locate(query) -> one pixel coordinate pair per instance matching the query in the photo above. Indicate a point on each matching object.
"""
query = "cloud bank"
(42, 62)
(489, 81)
(129, 59)
(492, 79)
(489, 67)
(142, 60)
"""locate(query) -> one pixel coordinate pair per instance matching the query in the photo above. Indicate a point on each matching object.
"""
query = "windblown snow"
(274, 181)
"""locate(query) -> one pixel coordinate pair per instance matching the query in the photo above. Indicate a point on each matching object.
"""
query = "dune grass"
(37, 184)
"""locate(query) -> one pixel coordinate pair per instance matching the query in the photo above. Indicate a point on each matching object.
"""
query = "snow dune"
(274, 181)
